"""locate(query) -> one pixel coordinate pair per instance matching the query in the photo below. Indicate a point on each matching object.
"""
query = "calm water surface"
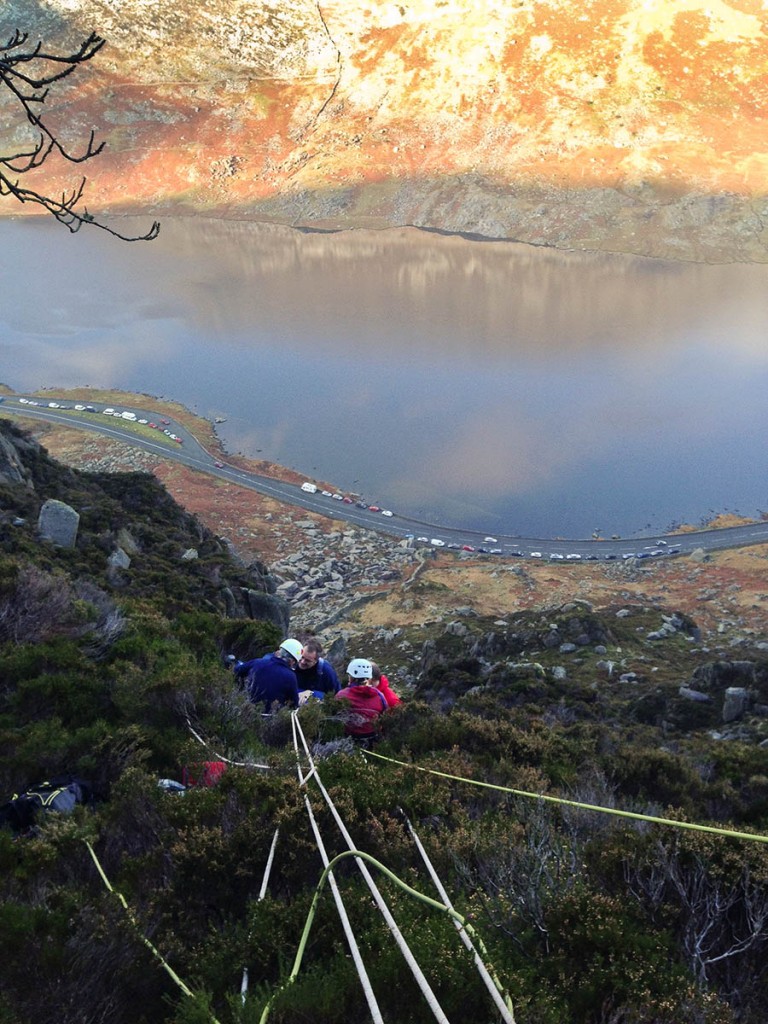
(493, 385)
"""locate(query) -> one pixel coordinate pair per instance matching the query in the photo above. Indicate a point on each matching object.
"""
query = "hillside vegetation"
(620, 125)
(118, 678)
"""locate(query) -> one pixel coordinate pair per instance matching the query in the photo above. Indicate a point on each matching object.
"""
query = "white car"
(326, 494)
(53, 405)
(108, 412)
(437, 542)
(386, 512)
(491, 540)
(557, 556)
(536, 554)
(423, 540)
(138, 421)
(24, 401)
(338, 497)
(574, 557)
(80, 408)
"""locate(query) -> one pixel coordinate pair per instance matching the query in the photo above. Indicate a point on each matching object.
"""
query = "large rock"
(12, 469)
(269, 608)
(735, 703)
(58, 523)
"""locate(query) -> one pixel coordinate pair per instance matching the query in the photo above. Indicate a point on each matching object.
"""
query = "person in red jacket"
(381, 683)
(363, 702)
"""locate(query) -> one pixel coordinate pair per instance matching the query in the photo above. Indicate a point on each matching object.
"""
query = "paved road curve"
(190, 452)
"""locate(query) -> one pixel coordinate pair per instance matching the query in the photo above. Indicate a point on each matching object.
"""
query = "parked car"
(491, 540)
(467, 547)
(362, 504)
(53, 405)
(166, 423)
(347, 501)
(80, 408)
(557, 557)
(423, 540)
(90, 408)
(498, 551)
(24, 401)
(338, 497)
(108, 412)
(326, 494)
(536, 554)
(437, 542)
(574, 557)
(142, 421)
(374, 508)
(386, 512)
(453, 547)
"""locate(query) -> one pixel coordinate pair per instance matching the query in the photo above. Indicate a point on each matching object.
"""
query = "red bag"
(206, 773)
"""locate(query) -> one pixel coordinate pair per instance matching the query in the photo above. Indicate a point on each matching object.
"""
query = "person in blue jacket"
(314, 672)
(272, 679)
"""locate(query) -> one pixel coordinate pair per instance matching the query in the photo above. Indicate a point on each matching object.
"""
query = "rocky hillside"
(111, 673)
(626, 125)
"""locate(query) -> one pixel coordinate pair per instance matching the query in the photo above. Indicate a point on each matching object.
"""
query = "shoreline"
(204, 431)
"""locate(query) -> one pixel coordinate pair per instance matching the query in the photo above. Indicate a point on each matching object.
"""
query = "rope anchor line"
(693, 826)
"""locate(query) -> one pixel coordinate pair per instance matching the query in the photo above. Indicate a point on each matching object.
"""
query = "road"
(191, 453)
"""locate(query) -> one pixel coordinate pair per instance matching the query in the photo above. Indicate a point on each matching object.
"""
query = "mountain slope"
(633, 125)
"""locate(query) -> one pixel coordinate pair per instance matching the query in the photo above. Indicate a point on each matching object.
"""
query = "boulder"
(58, 523)
(269, 608)
(735, 703)
(119, 559)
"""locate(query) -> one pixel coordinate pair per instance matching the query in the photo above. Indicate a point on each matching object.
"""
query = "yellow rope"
(751, 836)
(155, 952)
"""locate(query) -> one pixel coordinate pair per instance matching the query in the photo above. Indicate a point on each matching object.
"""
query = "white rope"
(370, 998)
(416, 971)
(220, 757)
(262, 894)
(504, 1008)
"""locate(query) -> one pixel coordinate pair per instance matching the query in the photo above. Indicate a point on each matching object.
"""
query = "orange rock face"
(614, 124)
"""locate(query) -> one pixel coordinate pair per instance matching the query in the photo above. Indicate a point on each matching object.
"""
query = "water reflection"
(513, 388)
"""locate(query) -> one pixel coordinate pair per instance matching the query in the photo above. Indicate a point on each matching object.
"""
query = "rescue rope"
(220, 757)
(498, 994)
(360, 856)
(357, 959)
(730, 833)
(155, 952)
(415, 969)
(262, 894)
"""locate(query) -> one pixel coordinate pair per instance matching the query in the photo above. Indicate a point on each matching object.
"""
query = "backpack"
(61, 795)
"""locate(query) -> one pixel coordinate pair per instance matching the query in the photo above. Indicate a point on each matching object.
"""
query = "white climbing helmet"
(360, 668)
(292, 647)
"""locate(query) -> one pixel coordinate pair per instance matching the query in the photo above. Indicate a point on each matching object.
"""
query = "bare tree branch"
(27, 73)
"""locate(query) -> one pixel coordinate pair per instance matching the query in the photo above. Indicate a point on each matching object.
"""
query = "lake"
(497, 386)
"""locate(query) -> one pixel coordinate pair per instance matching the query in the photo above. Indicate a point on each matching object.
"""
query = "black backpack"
(61, 795)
